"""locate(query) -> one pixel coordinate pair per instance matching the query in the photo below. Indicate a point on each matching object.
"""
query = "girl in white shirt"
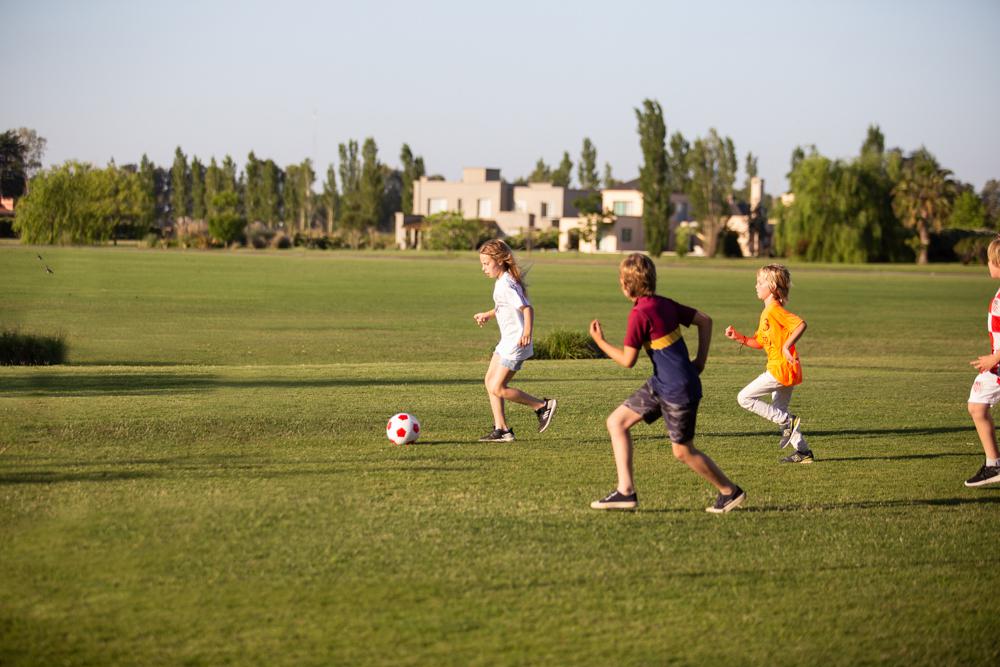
(515, 317)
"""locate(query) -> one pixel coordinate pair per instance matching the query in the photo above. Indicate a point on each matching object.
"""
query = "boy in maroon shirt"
(674, 390)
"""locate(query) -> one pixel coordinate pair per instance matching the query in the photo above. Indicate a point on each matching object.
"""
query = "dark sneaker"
(798, 457)
(726, 503)
(616, 501)
(986, 475)
(545, 414)
(499, 435)
(789, 429)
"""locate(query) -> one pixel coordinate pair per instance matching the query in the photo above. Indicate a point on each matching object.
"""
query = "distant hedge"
(18, 349)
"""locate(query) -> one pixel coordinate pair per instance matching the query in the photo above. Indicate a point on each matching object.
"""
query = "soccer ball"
(402, 429)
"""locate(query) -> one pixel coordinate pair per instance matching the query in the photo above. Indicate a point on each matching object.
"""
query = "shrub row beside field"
(18, 349)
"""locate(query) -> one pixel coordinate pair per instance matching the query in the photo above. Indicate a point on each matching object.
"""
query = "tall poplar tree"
(371, 185)
(350, 183)
(654, 177)
(198, 210)
(271, 182)
(331, 198)
(541, 174)
(214, 179)
(677, 158)
(180, 188)
(413, 169)
(292, 198)
(563, 174)
(147, 193)
(586, 170)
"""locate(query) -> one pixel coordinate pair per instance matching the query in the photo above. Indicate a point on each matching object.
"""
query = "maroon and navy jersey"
(993, 327)
(655, 324)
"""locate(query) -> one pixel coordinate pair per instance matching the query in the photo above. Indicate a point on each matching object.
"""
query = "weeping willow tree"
(77, 203)
(842, 210)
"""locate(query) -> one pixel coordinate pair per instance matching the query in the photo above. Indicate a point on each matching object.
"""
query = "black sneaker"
(498, 435)
(789, 429)
(986, 475)
(616, 501)
(798, 457)
(545, 414)
(726, 503)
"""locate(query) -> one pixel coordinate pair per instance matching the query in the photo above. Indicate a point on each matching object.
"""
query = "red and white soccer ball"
(403, 428)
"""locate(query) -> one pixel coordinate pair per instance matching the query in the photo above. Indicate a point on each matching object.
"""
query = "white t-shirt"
(509, 298)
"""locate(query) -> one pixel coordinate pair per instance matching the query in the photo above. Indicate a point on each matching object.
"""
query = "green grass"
(206, 481)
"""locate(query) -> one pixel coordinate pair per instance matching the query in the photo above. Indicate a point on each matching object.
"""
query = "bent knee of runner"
(745, 400)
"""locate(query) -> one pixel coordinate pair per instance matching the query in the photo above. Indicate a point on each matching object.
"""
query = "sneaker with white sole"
(728, 502)
(616, 501)
(788, 430)
(986, 475)
(545, 414)
(799, 457)
(499, 435)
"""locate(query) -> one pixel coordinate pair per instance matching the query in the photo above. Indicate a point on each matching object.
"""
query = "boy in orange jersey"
(986, 387)
(777, 333)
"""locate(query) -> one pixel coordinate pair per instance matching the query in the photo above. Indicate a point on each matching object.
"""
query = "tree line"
(883, 205)
(80, 203)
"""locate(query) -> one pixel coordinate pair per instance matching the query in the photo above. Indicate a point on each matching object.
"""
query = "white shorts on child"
(985, 389)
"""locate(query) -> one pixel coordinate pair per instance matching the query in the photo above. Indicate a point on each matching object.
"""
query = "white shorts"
(985, 389)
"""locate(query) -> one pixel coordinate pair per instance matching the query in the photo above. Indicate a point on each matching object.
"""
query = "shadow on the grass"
(78, 385)
(49, 477)
(880, 504)
(897, 457)
(224, 468)
(909, 430)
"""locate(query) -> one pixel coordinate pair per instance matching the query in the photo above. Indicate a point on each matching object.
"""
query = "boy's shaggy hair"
(993, 252)
(777, 279)
(638, 275)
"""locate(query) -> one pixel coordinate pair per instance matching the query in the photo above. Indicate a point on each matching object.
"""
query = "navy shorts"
(679, 419)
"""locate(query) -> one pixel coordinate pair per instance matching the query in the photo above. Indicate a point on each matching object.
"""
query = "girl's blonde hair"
(638, 275)
(501, 253)
(993, 252)
(777, 279)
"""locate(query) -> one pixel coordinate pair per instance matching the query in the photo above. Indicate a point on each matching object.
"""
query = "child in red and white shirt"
(986, 387)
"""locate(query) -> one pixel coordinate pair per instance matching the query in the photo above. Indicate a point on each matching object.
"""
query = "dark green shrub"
(567, 344)
(17, 349)
(450, 231)
(972, 249)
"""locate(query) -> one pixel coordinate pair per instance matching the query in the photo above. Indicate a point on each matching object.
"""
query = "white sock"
(992, 463)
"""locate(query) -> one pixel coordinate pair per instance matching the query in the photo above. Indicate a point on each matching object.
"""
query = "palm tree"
(923, 196)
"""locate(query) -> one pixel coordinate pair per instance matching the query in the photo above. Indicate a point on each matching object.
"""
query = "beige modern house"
(482, 194)
(622, 231)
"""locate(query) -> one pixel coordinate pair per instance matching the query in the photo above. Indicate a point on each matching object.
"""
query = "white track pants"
(777, 410)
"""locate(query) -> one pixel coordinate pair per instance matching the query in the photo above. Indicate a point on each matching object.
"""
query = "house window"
(459, 208)
(545, 209)
(626, 236)
(485, 208)
(437, 206)
(623, 208)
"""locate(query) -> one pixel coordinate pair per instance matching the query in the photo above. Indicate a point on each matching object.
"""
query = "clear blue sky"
(501, 84)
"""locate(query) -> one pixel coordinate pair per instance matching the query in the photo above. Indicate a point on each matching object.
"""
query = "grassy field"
(206, 482)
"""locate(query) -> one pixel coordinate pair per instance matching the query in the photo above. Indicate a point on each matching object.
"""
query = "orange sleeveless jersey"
(775, 326)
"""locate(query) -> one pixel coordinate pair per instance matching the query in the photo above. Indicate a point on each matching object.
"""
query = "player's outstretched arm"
(625, 357)
(733, 334)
